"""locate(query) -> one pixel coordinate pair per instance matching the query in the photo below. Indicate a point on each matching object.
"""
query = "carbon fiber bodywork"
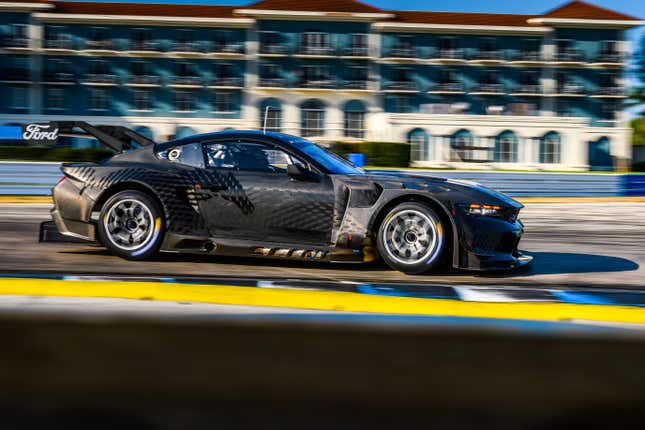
(327, 216)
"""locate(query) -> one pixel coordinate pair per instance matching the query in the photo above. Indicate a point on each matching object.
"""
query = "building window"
(354, 119)
(401, 103)
(141, 40)
(418, 140)
(142, 100)
(506, 147)
(98, 99)
(550, 148)
(609, 111)
(57, 38)
(312, 118)
(464, 148)
(271, 115)
(316, 76)
(564, 109)
(55, 99)
(315, 43)
(224, 102)
(99, 39)
(19, 98)
(184, 101)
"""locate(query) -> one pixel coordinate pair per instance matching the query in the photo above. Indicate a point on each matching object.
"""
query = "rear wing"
(115, 137)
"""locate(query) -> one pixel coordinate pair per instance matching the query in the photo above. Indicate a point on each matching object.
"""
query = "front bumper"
(490, 243)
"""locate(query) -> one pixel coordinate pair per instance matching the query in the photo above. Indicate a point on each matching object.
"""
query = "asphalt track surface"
(574, 244)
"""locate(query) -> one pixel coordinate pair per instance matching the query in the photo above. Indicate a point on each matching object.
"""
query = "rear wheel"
(131, 225)
(411, 238)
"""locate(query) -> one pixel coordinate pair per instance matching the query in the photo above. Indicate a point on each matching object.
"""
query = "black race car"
(272, 195)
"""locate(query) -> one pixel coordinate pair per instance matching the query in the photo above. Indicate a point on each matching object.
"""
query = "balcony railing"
(145, 80)
(528, 89)
(449, 54)
(58, 44)
(273, 82)
(191, 47)
(610, 57)
(15, 42)
(228, 81)
(569, 55)
(401, 53)
(317, 83)
(100, 78)
(316, 50)
(356, 51)
(488, 88)
(17, 74)
(100, 45)
(229, 48)
(571, 89)
(613, 90)
(496, 55)
(453, 87)
(528, 56)
(60, 77)
(274, 48)
(144, 46)
(188, 80)
(356, 84)
(401, 86)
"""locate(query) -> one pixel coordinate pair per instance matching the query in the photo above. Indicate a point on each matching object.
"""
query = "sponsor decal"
(40, 133)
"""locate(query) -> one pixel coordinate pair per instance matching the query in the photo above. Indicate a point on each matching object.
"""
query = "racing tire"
(131, 225)
(411, 238)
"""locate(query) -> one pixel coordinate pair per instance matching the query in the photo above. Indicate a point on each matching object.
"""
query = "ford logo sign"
(40, 133)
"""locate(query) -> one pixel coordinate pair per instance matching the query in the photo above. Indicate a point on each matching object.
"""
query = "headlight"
(485, 210)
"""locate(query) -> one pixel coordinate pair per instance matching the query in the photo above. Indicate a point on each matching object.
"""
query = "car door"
(254, 198)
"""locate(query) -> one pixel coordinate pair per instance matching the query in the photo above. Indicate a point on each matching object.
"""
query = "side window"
(248, 156)
(190, 155)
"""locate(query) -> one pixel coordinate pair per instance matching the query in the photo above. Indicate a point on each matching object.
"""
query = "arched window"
(271, 114)
(506, 147)
(418, 140)
(354, 111)
(312, 118)
(182, 132)
(550, 148)
(464, 149)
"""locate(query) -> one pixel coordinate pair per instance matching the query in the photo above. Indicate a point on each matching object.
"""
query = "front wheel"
(131, 225)
(411, 238)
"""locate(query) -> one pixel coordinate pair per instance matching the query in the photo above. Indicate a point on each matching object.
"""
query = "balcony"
(186, 81)
(356, 84)
(488, 88)
(100, 47)
(610, 92)
(398, 53)
(528, 58)
(144, 47)
(58, 45)
(187, 49)
(401, 87)
(448, 88)
(449, 56)
(571, 89)
(272, 82)
(356, 52)
(15, 43)
(527, 90)
(274, 49)
(59, 78)
(569, 57)
(488, 57)
(227, 82)
(144, 81)
(309, 51)
(16, 75)
(229, 49)
(615, 59)
(321, 83)
(100, 79)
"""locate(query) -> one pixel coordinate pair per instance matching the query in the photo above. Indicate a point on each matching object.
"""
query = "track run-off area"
(588, 266)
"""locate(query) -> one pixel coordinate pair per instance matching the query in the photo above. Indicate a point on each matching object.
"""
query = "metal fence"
(24, 178)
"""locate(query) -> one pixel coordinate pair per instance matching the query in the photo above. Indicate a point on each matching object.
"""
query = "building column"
(547, 80)
(250, 113)
(35, 33)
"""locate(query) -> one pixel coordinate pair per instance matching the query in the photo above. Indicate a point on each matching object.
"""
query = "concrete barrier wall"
(24, 178)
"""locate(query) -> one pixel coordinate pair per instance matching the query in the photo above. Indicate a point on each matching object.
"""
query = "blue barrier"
(633, 185)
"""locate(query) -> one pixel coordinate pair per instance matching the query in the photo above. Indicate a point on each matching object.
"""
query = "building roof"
(583, 10)
(144, 9)
(456, 18)
(347, 6)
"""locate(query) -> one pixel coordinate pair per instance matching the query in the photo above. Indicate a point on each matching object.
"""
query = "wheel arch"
(127, 186)
(438, 207)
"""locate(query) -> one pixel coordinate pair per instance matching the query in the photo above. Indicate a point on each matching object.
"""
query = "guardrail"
(28, 178)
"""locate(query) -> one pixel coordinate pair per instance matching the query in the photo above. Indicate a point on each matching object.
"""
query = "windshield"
(330, 161)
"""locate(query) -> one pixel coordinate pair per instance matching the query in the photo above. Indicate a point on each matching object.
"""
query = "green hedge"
(384, 154)
(45, 153)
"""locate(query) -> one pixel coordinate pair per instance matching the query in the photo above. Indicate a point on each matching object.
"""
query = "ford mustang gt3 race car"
(272, 195)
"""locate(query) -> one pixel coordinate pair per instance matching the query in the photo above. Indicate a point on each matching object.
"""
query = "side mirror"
(300, 172)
